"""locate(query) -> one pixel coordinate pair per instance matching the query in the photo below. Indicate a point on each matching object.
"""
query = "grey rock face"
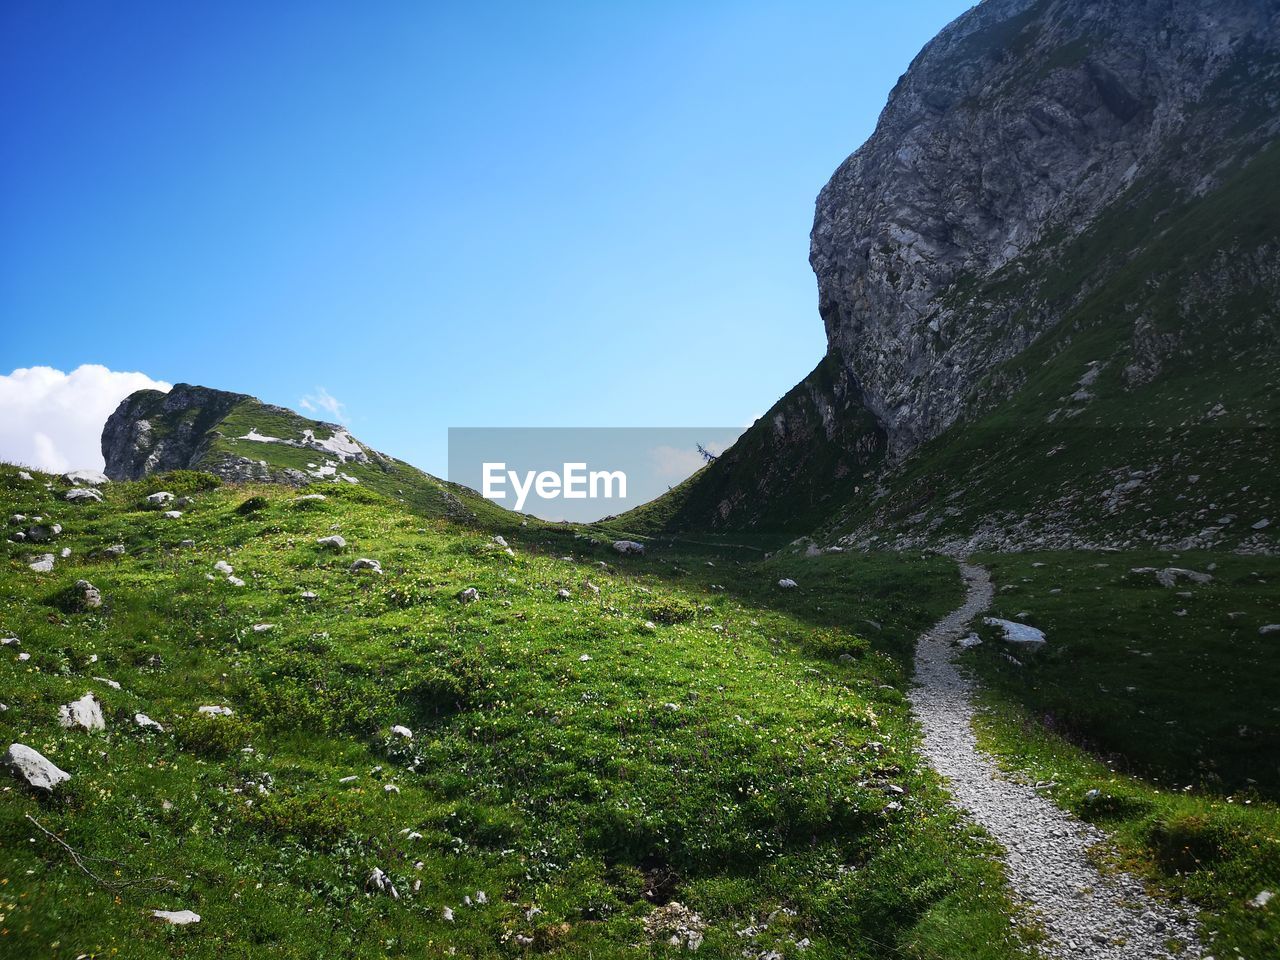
(34, 768)
(133, 447)
(85, 713)
(1021, 118)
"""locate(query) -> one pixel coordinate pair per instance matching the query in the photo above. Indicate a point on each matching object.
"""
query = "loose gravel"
(1084, 913)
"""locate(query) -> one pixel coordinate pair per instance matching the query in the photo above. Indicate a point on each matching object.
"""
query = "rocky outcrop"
(1020, 123)
(152, 432)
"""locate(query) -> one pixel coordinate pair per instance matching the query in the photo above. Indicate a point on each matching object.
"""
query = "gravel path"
(1084, 913)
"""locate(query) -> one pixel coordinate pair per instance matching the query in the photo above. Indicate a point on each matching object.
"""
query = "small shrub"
(670, 610)
(313, 820)
(252, 505)
(212, 736)
(181, 482)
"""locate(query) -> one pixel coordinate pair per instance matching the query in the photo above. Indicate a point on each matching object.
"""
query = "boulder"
(628, 548)
(563, 594)
(83, 495)
(160, 498)
(500, 541)
(1019, 634)
(334, 542)
(85, 713)
(1269, 629)
(115, 550)
(87, 596)
(379, 882)
(216, 711)
(34, 768)
(179, 918)
(469, 595)
(146, 723)
(786, 583)
(42, 563)
(173, 514)
(364, 563)
(969, 642)
(223, 567)
(85, 478)
(43, 533)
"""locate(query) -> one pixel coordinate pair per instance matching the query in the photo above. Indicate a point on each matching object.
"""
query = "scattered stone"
(186, 544)
(969, 642)
(364, 563)
(43, 533)
(469, 595)
(585, 658)
(786, 583)
(1169, 576)
(1263, 898)
(216, 711)
(1269, 629)
(311, 498)
(263, 627)
(402, 731)
(1262, 524)
(83, 495)
(500, 541)
(628, 547)
(146, 723)
(110, 683)
(33, 767)
(308, 595)
(23, 475)
(676, 925)
(447, 914)
(1017, 633)
(223, 567)
(563, 594)
(179, 918)
(173, 514)
(156, 499)
(591, 587)
(235, 581)
(351, 779)
(88, 597)
(42, 564)
(334, 542)
(115, 550)
(87, 478)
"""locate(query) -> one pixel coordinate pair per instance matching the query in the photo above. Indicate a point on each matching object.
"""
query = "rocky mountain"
(240, 438)
(1050, 279)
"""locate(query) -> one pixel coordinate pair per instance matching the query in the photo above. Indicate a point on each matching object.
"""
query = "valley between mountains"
(968, 648)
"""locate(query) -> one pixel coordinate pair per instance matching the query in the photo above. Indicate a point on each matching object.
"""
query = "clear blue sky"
(571, 214)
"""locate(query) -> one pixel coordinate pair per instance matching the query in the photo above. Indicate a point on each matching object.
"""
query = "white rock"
(263, 627)
(334, 542)
(88, 478)
(447, 914)
(110, 683)
(173, 514)
(155, 499)
(85, 713)
(1269, 629)
(223, 567)
(786, 583)
(402, 731)
(350, 779)
(216, 711)
(235, 581)
(469, 595)
(23, 475)
(500, 541)
(179, 918)
(563, 594)
(1262, 899)
(1262, 524)
(34, 767)
(83, 495)
(43, 564)
(967, 643)
(146, 723)
(628, 547)
(1018, 633)
(364, 563)
(585, 658)
(390, 788)
(309, 497)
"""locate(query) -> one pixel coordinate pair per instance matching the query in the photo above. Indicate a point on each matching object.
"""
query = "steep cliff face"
(1049, 279)
(151, 431)
(1014, 130)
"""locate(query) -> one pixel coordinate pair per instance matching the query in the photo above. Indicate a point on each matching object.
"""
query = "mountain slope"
(1063, 202)
(240, 438)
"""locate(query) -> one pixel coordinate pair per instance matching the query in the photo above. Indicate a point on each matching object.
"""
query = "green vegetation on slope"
(580, 768)
(1161, 699)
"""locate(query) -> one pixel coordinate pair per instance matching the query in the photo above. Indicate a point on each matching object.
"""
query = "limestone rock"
(34, 768)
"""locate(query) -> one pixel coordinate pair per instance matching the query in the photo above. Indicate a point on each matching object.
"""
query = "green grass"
(715, 759)
(1172, 718)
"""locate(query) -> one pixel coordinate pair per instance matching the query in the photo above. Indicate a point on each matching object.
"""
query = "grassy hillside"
(584, 761)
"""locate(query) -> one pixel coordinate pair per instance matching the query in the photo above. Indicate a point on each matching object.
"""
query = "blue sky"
(570, 214)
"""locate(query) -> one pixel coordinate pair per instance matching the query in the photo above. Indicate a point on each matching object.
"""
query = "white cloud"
(53, 420)
(322, 401)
